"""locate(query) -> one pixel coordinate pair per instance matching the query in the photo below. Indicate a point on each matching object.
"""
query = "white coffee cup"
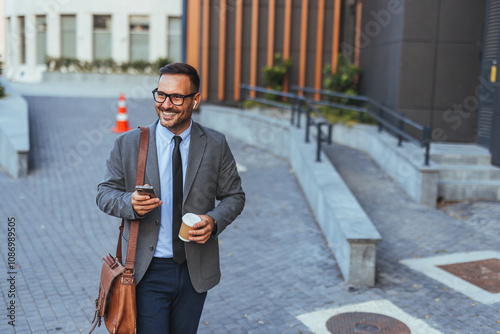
(188, 220)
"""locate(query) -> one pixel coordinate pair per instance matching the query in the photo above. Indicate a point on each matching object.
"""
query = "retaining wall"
(349, 232)
(14, 132)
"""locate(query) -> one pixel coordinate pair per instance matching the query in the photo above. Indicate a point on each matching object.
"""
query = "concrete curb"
(346, 227)
(14, 132)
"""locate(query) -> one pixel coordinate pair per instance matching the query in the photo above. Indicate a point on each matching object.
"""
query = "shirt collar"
(167, 135)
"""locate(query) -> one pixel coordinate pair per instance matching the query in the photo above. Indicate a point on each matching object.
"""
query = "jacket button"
(151, 248)
(157, 223)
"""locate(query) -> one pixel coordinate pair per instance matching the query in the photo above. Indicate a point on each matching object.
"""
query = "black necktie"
(177, 244)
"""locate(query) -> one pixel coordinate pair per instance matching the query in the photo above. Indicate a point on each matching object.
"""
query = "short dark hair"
(183, 68)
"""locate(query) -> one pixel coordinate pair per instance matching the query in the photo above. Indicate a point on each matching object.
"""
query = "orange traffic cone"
(121, 116)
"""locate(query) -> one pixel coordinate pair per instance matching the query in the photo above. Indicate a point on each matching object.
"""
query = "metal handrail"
(329, 93)
(301, 105)
(319, 121)
(397, 115)
(267, 90)
(401, 120)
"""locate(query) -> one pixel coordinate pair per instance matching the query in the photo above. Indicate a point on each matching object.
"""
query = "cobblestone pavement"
(275, 262)
(61, 235)
(411, 231)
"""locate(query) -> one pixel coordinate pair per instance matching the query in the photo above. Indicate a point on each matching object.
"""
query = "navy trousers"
(167, 303)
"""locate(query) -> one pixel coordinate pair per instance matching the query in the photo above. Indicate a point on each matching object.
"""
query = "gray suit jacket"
(211, 175)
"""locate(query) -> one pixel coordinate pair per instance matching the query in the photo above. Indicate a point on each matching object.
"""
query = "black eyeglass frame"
(168, 96)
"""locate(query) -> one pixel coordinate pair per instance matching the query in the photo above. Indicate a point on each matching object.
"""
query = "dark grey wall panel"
(461, 21)
(457, 73)
(213, 58)
(456, 128)
(246, 42)
(382, 23)
(230, 56)
(420, 20)
(380, 74)
(437, 65)
(380, 51)
(416, 80)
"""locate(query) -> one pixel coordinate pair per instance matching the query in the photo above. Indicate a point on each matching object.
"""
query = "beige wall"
(2, 31)
(120, 10)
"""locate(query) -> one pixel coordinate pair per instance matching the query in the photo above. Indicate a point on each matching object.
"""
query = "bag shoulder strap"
(134, 224)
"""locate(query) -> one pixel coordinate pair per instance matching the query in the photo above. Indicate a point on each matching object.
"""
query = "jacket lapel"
(196, 151)
(152, 172)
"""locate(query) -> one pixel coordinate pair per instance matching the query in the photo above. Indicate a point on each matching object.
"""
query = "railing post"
(427, 141)
(319, 140)
(292, 119)
(401, 127)
(308, 123)
(330, 132)
(299, 115)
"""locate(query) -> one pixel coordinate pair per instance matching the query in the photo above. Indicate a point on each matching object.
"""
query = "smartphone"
(146, 190)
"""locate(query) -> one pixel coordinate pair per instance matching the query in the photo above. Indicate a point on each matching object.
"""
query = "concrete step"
(457, 159)
(459, 154)
(469, 190)
(468, 173)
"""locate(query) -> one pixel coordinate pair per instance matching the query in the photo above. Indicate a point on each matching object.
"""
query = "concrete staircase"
(465, 172)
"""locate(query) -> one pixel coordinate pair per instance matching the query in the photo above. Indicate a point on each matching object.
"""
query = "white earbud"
(195, 103)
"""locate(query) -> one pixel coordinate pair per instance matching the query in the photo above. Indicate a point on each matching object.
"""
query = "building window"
(22, 40)
(68, 36)
(174, 41)
(41, 38)
(102, 37)
(139, 37)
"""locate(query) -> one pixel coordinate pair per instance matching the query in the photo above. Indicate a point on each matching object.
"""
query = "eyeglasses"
(176, 99)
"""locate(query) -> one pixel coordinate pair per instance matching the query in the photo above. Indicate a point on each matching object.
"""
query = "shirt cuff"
(214, 231)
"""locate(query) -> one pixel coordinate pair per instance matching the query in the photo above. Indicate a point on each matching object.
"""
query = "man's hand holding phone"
(144, 199)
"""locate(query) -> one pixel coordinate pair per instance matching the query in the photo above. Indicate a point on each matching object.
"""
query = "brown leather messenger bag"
(116, 300)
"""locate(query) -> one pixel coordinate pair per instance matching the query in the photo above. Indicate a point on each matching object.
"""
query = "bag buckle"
(125, 270)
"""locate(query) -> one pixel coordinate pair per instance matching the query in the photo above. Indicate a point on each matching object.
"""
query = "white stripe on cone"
(121, 117)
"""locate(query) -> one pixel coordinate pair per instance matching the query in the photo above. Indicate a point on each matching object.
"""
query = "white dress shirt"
(164, 146)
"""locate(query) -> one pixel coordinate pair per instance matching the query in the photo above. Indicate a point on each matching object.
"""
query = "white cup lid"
(190, 219)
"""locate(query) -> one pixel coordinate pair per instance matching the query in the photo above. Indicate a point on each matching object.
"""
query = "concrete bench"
(14, 132)
(348, 230)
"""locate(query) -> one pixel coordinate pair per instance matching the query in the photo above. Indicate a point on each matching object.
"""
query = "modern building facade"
(88, 30)
(488, 119)
(2, 32)
(436, 62)
(231, 41)
(423, 58)
(429, 59)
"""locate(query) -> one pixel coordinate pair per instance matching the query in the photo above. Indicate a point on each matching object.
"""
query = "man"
(173, 277)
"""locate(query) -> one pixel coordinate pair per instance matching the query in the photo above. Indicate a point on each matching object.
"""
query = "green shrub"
(274, 75)
(63, 64)
(345, 81)
(124, 67)
(347, 117)
(140, 66)
(159, 63)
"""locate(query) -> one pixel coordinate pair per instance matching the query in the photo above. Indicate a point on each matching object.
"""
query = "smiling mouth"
(168, 114)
